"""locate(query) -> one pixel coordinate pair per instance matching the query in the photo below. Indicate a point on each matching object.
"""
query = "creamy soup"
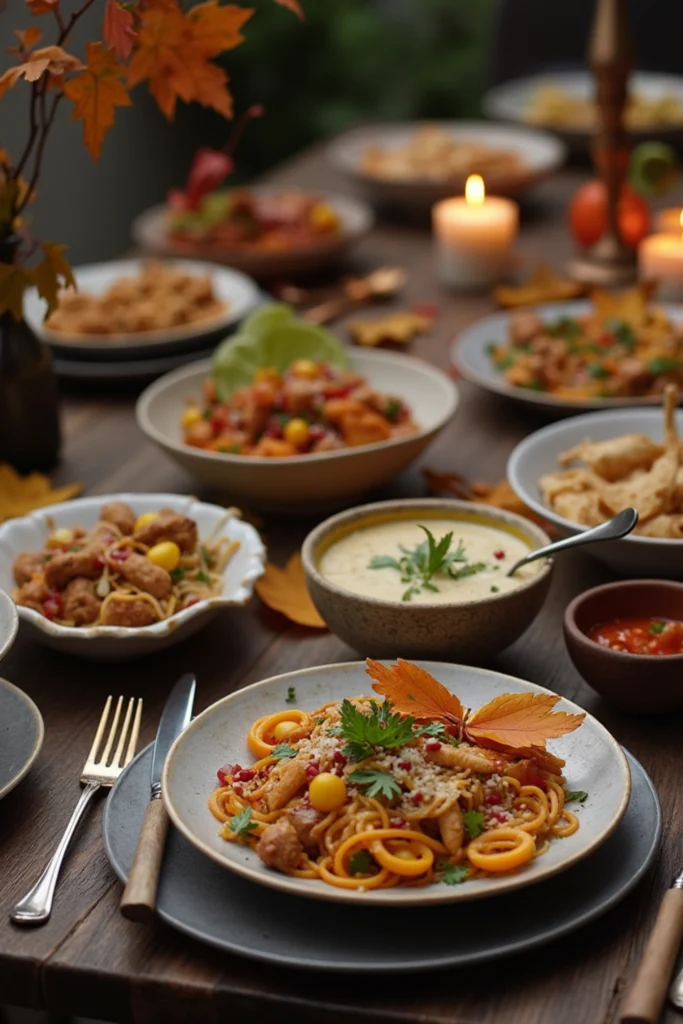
(390, 561)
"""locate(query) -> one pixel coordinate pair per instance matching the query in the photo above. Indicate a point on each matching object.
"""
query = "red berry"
(312, 769)
(405, 765)
(119, 554)
(245, 775)
(417, 798)
(499, 554)
(432, 745)
(494, 798)
(339, 758)
(51, 609)
(224, 772)
(238, 790)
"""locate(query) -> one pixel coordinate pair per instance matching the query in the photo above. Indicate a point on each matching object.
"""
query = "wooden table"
(90, 961)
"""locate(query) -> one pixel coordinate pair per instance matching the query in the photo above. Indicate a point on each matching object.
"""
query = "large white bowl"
(595, 763)
(538, 454)
(30, 532)
(541, 152)
(304, 481)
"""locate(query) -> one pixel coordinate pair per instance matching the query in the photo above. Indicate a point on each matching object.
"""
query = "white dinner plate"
(541, 152)
(355, 218)
(508, 101)
(595, 763)
(470, 356)
(236, 291)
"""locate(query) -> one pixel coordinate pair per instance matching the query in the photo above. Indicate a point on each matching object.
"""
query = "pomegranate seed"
(100, 561)
(339, 758)
(245, 775)
(238, 789)
(398, 823)
(432, 745)
(499, 554)
(494, 798)
(312, 769)
(224, 772)
(54, 595)
(405, 765)
(190, 601)
(499, 816)
(120, 554)
(417, 798)
(50, 609)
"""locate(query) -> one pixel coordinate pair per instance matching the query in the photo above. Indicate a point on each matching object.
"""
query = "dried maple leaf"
(27, 37)
(284, 590)
(216, 28)
(413, 691)
(42, 6)
(51, 59)
(521, 720)
(13, 283)
(544, 285)
(52, 273)
(292, 5)
(96, 94)
(395, 328)
(118, 31)
(20, 495)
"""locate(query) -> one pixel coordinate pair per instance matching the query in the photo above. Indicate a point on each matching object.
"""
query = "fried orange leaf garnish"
(20, 495)
(513, 722)
(630, 306)
(413, 691)
(516, 720)
(284, 590)
(544, 285)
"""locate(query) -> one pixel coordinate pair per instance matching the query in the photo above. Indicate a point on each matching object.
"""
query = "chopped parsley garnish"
(623, 332)
(474, 822)
(232, 449)
(657, 627)
(378, 783)
(379, 728)
(419, 565)
(504, 362)
(291, 695)
(576, 794)
(534, 385)
(178, 574)
(495, 590)
(663, 364)
(452, 874)
(393, 409)
(597, 371)
(203, 577)
(360, 863)
(283, 750)
(320, 721)
(206, 557)
(437, 729)
(241, 824)
(566, 327)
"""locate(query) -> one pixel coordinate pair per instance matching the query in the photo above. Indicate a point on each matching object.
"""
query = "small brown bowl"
(645, 683)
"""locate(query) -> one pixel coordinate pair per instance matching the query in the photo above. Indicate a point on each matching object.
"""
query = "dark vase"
(29, 418)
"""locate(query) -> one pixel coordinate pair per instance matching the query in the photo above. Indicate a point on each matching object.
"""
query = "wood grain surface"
(88, 960)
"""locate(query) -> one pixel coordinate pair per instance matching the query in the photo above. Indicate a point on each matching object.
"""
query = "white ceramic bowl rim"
(158, 630)
(534, 503)
(416, 365)
(8, 609)
(448, 505)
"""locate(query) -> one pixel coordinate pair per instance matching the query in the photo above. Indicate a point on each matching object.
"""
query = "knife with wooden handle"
(138, 902)
(645, 999)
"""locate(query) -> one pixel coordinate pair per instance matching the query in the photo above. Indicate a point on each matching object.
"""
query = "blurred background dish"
(9, 623)
(561, 102)
(228, 295)
(21, 735)
(308, 481)
(415, 164)
(278, 258)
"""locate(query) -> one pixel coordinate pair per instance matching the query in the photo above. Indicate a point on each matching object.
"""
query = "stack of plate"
(144, 355)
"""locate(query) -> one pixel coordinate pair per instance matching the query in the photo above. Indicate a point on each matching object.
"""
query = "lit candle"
(660, 259)
(474, 237)
(669, 221)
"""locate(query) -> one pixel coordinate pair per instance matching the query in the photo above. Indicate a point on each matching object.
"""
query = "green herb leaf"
(379, 728)
(565, 327)
(433, 729)
(663, 364)
(656, 628)
(597, 371)
(206, 557)
(241, 824)
(203, 577)
(474, 823)
(622, 332)
(291, 695)
(360, 863)
(576, 794)
(321, 721)
(495, 590)
(383, 562)
(378, 783)
(467, 570)
(178, 574)
(452, 874)
(393, 409)
(283, 750)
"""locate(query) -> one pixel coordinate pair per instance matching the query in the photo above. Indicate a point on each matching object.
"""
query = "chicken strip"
(146, 576)
(287, 783)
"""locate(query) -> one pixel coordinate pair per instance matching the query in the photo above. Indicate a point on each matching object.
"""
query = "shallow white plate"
(595, 763)
(469, 355)
(30, 532)
(237, 292)
(356, 219)
(537, 455)
(21, 735)
(542, 154)
(508, 100)
(305, 481)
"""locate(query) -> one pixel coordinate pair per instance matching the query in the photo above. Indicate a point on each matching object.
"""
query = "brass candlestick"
(609, 263)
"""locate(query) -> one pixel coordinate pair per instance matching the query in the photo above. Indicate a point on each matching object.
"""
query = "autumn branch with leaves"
(170, 48)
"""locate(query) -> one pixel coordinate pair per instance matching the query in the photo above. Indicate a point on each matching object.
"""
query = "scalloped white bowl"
(117, 642)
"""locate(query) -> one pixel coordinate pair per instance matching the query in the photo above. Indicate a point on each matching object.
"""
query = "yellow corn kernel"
(60, 538)
(304, 368)
(296, 432)
(145, 519)
(192, 415)
(267, 375)
(165, 554)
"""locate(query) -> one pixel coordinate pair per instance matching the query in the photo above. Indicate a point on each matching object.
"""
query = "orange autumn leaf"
(51, 59)
(27, 37)
(20, 495)
(118, 31)
(413, 691)
(96, 94)
(292, 5)
(519, 720)
(216, 28)
(284, 590)
(42, 6)
(52, 273)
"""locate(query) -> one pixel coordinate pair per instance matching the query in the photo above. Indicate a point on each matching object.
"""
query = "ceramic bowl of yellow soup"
(389, 581)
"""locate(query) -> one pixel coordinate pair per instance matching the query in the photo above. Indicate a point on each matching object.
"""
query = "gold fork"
(36, 906)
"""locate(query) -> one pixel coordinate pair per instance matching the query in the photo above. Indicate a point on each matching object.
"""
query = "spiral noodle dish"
(361, 796)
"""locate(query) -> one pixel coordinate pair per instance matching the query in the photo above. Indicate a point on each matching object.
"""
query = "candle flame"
(475, 191)
(680, 221)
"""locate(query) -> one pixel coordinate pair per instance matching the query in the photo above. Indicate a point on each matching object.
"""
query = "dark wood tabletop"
(88, 960)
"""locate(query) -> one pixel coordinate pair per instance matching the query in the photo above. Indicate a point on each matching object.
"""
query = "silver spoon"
(612, 529)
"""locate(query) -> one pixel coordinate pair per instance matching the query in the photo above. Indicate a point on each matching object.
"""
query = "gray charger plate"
(21, 735)
(202, 899)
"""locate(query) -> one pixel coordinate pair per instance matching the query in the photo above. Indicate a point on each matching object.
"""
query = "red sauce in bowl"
(647, 635)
